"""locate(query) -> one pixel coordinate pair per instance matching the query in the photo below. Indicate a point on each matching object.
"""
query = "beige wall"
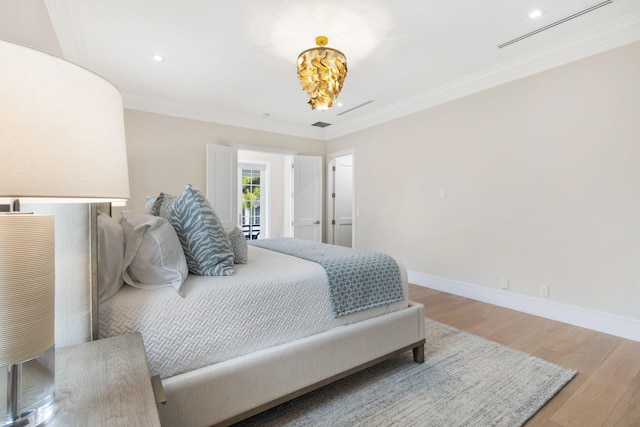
(541, 176)
(27, 22)
(165, 153)
(542, 185)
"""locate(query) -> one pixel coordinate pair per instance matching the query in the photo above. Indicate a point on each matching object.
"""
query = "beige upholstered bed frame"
(230, 391)
(233, 390)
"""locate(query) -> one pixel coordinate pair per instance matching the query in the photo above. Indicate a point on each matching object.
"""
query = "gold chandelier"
(322, 71)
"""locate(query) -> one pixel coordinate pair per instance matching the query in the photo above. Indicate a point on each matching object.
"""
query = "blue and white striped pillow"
(203, 238)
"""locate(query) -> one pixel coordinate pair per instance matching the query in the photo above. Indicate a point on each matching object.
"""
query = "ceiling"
(234, 62)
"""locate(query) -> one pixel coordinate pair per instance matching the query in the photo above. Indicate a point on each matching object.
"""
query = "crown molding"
(69, 37)
(134, 102)
(610, 35)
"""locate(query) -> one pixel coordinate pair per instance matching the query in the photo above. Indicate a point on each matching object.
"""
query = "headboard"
(76, 270)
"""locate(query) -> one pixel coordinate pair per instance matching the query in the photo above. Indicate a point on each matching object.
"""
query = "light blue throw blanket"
(358, 279)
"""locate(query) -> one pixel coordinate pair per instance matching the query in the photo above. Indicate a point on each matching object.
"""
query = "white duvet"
(273, 299)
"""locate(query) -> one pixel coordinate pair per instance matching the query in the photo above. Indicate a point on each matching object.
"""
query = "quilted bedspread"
(358, 279)
(273, 299)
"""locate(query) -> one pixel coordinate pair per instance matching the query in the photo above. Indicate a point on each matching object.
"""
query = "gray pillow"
(238, 245)
(110, 256)
(203, 238)
(166, 202)
(160, 205)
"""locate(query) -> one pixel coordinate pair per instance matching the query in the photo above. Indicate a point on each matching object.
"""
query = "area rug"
(466, 380)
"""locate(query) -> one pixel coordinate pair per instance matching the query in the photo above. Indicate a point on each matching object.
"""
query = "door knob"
(317, 222)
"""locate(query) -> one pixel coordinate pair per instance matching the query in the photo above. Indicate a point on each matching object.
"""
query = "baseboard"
(603, 322)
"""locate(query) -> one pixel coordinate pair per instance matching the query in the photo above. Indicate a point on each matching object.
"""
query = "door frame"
(329, 160)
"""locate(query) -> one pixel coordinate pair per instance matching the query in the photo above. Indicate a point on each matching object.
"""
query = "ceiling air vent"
(321, 124)
(553, 24)
(356, 107)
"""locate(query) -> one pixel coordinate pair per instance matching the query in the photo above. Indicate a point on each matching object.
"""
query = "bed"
(267, 329)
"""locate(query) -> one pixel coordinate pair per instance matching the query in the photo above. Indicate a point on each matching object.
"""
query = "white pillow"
(149, 205)
(153, 255)
(110, 257)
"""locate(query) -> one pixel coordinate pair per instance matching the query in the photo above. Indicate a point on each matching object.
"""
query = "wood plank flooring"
(606, 392)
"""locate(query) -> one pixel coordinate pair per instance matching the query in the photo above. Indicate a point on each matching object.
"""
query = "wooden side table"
(104, 383)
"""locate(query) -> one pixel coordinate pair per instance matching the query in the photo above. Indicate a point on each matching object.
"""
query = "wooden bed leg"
(418, 353)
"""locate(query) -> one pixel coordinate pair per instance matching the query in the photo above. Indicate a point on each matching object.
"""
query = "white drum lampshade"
(62, 140)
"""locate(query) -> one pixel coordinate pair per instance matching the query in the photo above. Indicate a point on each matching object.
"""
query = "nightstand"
(104, 383)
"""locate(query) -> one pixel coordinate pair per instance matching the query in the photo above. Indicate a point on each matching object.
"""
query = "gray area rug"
(466, 380)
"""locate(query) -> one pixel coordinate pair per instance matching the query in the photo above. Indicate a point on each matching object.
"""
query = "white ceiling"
(234, 62)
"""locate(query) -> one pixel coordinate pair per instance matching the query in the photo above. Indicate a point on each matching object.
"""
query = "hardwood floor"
(606, 392)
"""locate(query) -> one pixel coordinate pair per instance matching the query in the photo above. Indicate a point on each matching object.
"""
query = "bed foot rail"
(418, 353)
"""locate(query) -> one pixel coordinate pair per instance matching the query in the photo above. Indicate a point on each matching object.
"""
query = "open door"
(307, 198)
(222, 183)
(340, 201)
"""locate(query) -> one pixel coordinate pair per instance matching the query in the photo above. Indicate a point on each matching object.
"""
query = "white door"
(307, 198)
(222, 183)
(342, 196)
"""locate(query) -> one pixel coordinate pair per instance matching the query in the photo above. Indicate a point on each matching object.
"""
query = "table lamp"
(61, 140)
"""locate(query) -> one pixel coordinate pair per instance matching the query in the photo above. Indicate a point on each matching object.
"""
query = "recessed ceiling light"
(158, 58)
(535, 14)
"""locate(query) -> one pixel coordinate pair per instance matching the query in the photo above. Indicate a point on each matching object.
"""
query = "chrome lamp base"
(29, 391)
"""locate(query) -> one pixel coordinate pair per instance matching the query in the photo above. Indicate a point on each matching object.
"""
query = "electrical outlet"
(544, 291)
(504, 283)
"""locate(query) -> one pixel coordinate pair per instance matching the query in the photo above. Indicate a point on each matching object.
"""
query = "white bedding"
(273, 299)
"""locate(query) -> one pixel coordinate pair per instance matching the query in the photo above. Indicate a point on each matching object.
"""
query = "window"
(251, 202)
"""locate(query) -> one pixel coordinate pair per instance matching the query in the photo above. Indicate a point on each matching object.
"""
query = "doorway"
(260, 193)
(341, 199)
(290, 203)
(254, 192)
(287, 202)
